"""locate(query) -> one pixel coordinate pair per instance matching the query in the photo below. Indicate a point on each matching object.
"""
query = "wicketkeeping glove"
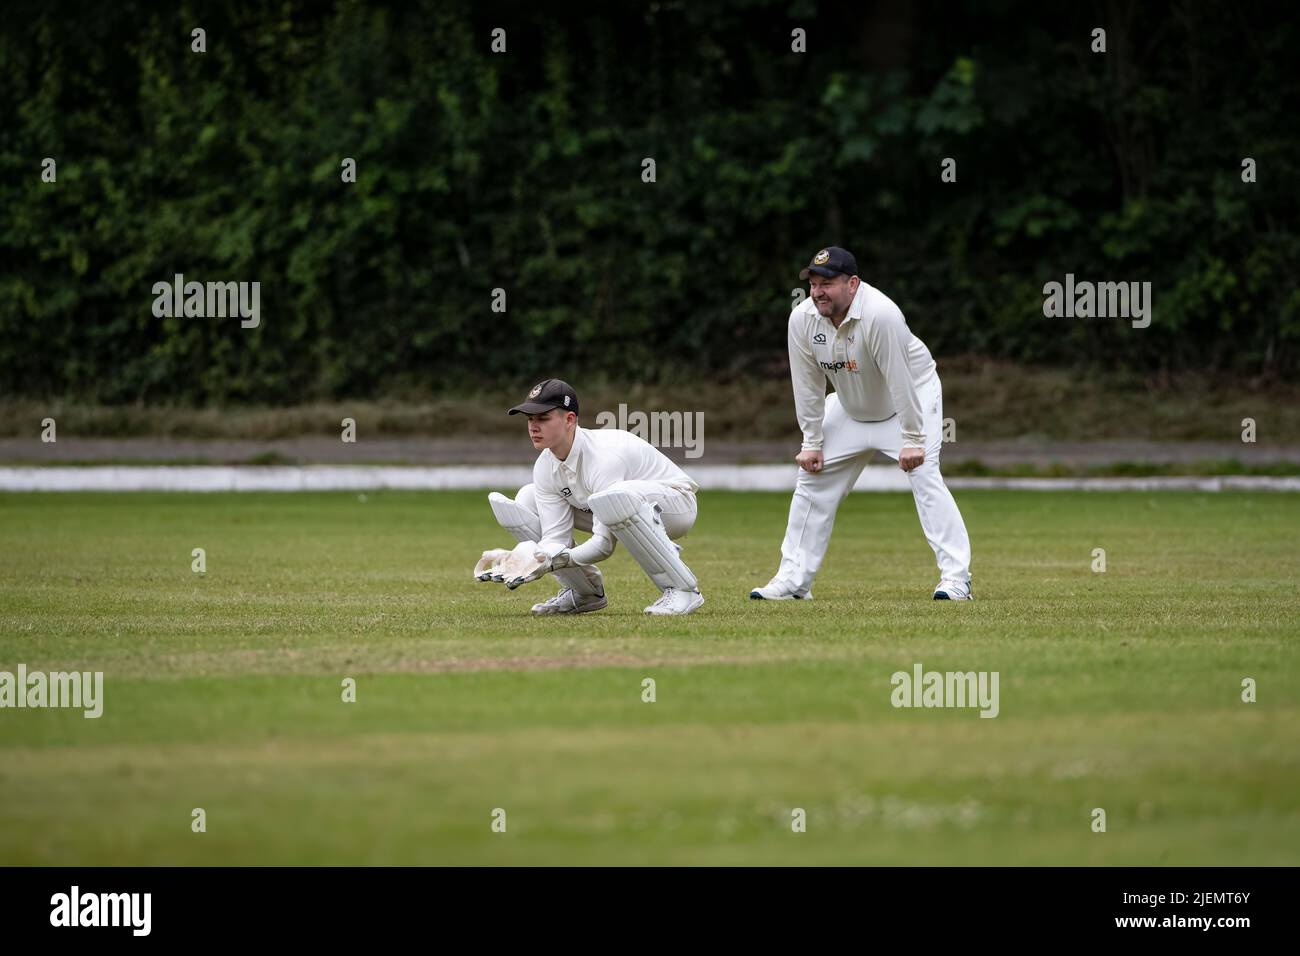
(501, 566)
(483, 571)
(543, 566)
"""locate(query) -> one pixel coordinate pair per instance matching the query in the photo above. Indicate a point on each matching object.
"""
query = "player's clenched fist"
(809, 460)
(910, 458)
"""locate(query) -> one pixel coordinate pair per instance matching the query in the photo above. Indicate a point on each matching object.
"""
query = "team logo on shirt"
(566, 491)
(819, 338)
(821, 258)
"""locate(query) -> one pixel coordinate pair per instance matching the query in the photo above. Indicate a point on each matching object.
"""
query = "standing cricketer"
(606, 481)
(887, 398)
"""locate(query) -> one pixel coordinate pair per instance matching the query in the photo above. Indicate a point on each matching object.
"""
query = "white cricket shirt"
(874, 361)
(599, 458)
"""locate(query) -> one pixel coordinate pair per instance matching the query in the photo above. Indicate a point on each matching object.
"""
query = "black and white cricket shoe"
(566, 602)
(778, 590)
(952, 591)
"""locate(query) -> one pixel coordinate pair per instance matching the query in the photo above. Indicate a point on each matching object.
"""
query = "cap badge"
(821, 257)
(537, 390)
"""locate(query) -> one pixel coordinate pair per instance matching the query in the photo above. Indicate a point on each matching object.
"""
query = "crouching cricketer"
(887, 398)
(606, 481)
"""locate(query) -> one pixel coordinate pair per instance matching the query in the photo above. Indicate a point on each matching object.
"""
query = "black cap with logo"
(546, 395)
(831, 262)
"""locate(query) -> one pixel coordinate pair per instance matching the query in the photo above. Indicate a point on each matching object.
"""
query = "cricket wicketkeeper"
(606, 481)
(887, 398)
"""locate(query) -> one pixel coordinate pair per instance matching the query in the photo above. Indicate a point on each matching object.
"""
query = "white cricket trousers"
(676, 507)
(847, 446)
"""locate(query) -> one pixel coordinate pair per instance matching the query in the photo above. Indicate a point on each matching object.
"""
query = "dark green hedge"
(523, 171)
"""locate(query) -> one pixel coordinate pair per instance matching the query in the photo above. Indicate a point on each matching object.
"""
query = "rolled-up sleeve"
(597, 548)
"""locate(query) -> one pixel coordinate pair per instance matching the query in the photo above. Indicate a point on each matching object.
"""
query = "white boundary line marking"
(511, 477)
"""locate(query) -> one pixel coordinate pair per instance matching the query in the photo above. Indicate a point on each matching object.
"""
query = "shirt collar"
(848, 317)
(575, 453)
(858, 304)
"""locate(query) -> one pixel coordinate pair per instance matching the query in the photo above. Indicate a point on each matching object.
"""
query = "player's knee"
(511, 514)
(626, 487)
(614, 505)
(527, 498)
(603, 503)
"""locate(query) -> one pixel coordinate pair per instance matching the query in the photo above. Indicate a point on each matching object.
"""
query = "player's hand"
(810, 461)
(501, 566)
(539, 567)
(910, 458)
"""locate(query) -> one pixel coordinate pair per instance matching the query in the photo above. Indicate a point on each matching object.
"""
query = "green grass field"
(1119, 690)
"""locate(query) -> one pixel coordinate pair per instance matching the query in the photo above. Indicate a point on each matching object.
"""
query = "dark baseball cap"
(831, 262)
(546, 395)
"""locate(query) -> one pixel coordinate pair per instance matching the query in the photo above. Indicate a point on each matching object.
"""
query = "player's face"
(547, 429)
(832, 296)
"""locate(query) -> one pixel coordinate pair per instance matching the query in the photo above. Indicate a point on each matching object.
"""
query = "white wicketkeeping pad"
(515, 518)
(637, 525)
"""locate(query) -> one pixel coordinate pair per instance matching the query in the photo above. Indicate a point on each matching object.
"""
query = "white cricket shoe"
(566, 602)
(949, 590)
(676, 601)
(778, 590)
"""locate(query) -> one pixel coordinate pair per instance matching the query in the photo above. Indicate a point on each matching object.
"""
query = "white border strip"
(380, 477)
